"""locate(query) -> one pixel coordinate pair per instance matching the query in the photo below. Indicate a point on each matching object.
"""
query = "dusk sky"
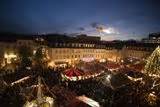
(121, 19)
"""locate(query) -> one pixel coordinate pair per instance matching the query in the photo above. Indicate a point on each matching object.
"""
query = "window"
(68, 44)
(73, 44)
(60, 44)
(56, 44)
(77, 44)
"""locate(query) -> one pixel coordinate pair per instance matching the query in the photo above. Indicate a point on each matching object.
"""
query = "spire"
(153, 63)
(39, 92)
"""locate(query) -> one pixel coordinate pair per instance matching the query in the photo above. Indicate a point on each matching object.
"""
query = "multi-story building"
(144, 48)
(72, 49)
(10, 44)
(68, 49)
(153, 38)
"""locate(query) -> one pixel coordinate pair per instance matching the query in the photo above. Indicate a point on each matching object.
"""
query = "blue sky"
(127, 19)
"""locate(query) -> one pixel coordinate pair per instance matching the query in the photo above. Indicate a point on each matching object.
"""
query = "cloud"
(94, 24)
(81, 28)
(103, 29)
(110, 30)
(97, 26)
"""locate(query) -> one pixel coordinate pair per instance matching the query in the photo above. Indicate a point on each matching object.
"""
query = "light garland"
(77, 78)
(152, 98)
(152, 68)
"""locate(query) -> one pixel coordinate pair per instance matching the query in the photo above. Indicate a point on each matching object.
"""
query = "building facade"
(152, 38)
(63, 49)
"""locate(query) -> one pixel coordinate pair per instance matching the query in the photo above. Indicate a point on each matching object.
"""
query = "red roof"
(112, 65)
(137, 67)
(73, 72)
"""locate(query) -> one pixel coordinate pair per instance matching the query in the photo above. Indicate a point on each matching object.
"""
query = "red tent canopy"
(137, 67)
(112, 65)
(73, 72)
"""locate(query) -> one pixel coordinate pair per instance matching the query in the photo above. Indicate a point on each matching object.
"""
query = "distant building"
(72, 49)
(62, 49)
(89, 38)
(10, 43)
(153, 38)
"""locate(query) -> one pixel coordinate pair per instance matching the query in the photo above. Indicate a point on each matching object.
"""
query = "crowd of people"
(13, 94)
(124, 91)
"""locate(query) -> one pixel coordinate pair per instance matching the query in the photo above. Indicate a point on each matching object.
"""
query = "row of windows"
(137, 54)
(154, 38)
(78, 56)
(15, 45)
(24, 43)
(152, 41)
(62, 51)
(77, 45)
(139, 48)
(109, 48)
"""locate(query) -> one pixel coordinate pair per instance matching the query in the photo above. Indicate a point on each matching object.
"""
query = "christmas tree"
(153, 63)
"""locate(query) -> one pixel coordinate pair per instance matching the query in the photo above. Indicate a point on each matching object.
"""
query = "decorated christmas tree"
(153, 63)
